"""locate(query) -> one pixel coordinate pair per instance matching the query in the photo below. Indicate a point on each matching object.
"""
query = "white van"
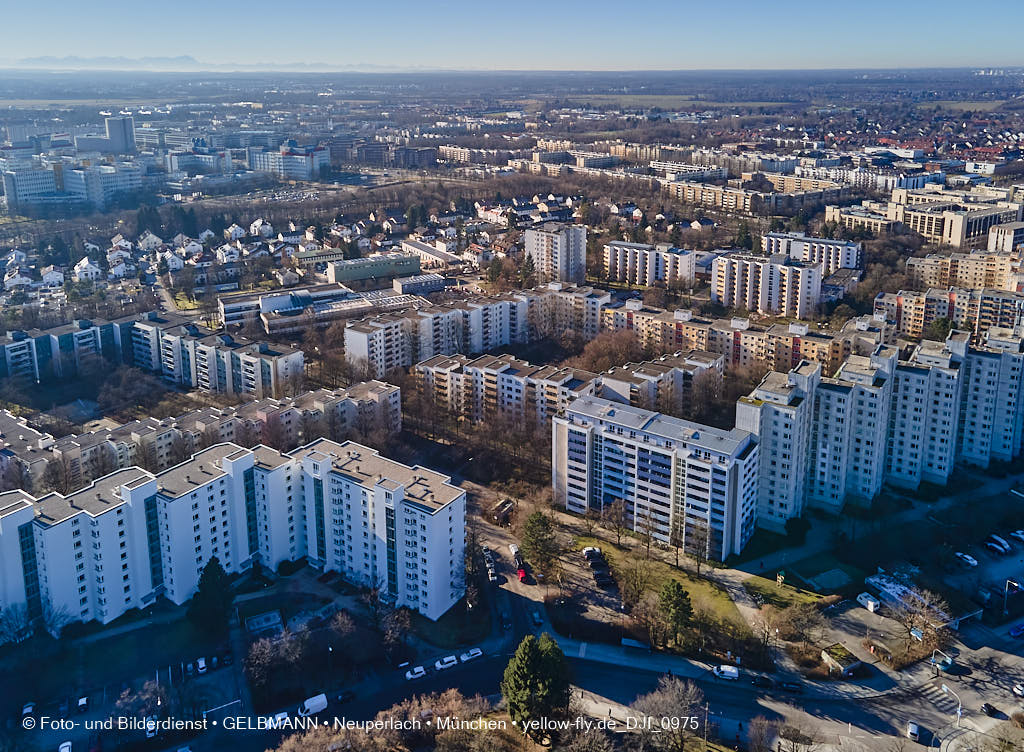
(869, 602)
(313, 705)
(727, 672)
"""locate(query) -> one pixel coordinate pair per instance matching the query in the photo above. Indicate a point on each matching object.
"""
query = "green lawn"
(704, 594)
(184, 302)
(780, 596)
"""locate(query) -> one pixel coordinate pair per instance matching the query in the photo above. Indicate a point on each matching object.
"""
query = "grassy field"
(184, 302)
(664, 101)
(704, 594)
(982, 106)
(781, 596)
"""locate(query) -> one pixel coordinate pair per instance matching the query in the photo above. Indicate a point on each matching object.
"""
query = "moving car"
(727, 672)
(989, 709)
(471, 654)
(791, 686)
(447, 662)
(415, 673)
(763, 682)
(312, 705)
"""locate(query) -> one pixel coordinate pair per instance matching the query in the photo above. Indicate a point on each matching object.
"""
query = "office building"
(290, 161)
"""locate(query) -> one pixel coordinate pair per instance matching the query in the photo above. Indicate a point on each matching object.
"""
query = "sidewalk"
(692, 669)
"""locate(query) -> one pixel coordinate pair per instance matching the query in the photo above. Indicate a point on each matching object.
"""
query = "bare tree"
(674, 698)
(635, 575)
(796, 737)
(697, 542)
(15, 624)
(761, 732)
(614, 517)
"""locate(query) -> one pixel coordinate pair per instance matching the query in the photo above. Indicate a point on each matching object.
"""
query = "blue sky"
(529, 34)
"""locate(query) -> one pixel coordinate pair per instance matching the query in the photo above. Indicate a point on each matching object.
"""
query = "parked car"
(347, 696)
(791, 686)
(151, 727)
(1018, 689)
(538, 620)
(1018, 534)
(201, 666)
(966, 559)
(514, 549)
(762, 681)
(521, 574)
(83, 704)
(1017, 631)
(492, 577)
(471, 654)
(28, 710)
(1001, 542)
(913, 731)
(227, 659)
(447, 662)
(995, 548)
(64, 747)
(591, 552)
(989, 709)
(415, 673)
(279, 718)
(190, 669)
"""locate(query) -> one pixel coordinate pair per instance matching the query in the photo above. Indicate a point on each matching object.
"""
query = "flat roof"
(203, 467)
(100, 496)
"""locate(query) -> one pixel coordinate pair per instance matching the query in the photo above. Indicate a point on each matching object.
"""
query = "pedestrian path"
(932, 691)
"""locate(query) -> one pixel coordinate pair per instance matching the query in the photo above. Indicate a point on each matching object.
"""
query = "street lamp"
(947, 663)
(959, 704)
(1006, 592)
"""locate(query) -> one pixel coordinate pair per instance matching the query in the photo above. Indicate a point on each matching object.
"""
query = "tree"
(150, 700)
(697, 539)
(539, 542)
(937, 330)
(614, 516)
(676, 606)
(761, 732)
(15, 624)
(536, 682)
(674, 698)
(794, 737)
(210, 608)
(922, 613)
(635, 575)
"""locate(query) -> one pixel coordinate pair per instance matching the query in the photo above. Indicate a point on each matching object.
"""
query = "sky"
(528, 34)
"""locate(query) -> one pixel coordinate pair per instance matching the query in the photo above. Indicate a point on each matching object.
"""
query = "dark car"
(762, 681)
(790, 686)
(597, 564)
(989, 710)
(227, 659)
(347, 696)
(1017, 631)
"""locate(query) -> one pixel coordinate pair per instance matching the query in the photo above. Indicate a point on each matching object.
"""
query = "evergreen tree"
(540, 546)
(675, 604)
(210, 608)
(536, 682)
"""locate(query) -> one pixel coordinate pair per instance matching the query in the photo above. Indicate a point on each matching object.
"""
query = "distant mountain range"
(185, 63)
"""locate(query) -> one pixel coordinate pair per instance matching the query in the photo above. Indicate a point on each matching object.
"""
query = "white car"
(471, 654)
(278, 718)
(29, 708)
(64, 747)
(447, 662)
(967, 559)
(415, 673)
(201, 666)
(1018, 689)
(151, 727)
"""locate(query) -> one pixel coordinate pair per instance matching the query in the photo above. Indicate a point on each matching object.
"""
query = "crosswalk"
(932, 691)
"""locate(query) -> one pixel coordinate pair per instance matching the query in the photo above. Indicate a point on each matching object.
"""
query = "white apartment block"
(558, 251)
(925, 415)
(975, 270)
(992, 407)
(779, 412)
(132, 536)
(766, 284)
(846, 451)
(677, 479)
(833, 255)
(643, 264)
(1006, 238)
